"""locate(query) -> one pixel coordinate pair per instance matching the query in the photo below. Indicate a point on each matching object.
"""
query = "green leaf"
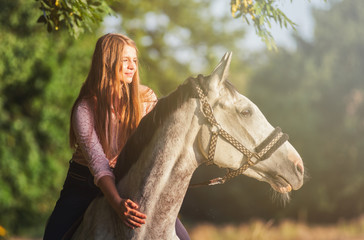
(42, 19)
(95, 3)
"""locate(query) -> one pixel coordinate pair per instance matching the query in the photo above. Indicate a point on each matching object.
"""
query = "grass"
(286, 230)
(264, 230)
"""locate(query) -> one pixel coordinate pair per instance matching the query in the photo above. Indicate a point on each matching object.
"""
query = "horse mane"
(148, 126)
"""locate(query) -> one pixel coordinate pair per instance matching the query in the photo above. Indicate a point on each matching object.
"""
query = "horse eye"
(246, 112)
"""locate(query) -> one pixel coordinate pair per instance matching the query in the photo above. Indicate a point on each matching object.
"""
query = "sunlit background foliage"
(314, 92)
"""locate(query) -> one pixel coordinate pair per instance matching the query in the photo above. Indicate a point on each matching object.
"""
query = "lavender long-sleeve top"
(89, 151)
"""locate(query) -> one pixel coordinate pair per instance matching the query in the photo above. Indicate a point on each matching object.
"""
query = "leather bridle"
(262, 151)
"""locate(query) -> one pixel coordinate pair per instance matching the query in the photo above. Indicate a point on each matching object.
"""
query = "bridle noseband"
(263, 151)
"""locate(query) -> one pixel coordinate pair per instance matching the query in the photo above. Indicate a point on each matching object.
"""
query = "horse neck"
(159, 182)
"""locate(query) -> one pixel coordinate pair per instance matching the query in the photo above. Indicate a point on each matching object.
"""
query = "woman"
(107, 111)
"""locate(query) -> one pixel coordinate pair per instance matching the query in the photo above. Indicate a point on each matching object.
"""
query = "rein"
(262, 151)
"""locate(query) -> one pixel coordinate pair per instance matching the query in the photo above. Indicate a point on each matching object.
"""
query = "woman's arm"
(88, 141)
(125, 208)
(98, 164)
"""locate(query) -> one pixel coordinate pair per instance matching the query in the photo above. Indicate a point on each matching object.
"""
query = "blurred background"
(312, 87)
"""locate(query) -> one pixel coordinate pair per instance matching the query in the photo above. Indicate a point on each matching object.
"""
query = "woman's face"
(129, 64)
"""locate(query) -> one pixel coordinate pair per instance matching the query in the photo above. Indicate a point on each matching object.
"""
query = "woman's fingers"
(128, 224)
(136, 218)
(131, 204)
(133, 223)
(137, 214)
(133, 211)
(132, 217)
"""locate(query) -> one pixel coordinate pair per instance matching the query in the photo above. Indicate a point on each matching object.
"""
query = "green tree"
(75, 15)
(37, 87)
(261, 13)
(78, 15)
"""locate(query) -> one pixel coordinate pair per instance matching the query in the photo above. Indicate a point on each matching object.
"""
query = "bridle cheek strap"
(263, 151)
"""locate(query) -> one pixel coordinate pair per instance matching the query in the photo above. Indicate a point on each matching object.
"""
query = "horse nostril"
(299, 168)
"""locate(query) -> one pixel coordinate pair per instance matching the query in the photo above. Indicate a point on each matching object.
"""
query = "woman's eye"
(246, 113)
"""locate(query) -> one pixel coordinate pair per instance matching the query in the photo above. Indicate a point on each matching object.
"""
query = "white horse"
(204, 120)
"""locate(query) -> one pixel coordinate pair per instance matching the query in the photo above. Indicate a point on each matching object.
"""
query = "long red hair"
(117, 105)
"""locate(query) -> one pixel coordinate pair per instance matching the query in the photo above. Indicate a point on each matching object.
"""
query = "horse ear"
(221, 71)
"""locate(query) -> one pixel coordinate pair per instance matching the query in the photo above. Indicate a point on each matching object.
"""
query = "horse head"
(238, 136)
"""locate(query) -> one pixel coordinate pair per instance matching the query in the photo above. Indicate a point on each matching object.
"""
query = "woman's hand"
(126, 209)
(130, 214)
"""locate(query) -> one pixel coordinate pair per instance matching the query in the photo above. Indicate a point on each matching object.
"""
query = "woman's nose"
(131, 65)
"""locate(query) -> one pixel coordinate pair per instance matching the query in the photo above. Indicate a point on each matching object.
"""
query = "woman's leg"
(77, 193)
(181, 231)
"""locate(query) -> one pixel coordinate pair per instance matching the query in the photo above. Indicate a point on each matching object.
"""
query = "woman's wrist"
(107, 186)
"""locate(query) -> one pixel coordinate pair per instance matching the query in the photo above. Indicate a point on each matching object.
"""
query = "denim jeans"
(77, 193)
